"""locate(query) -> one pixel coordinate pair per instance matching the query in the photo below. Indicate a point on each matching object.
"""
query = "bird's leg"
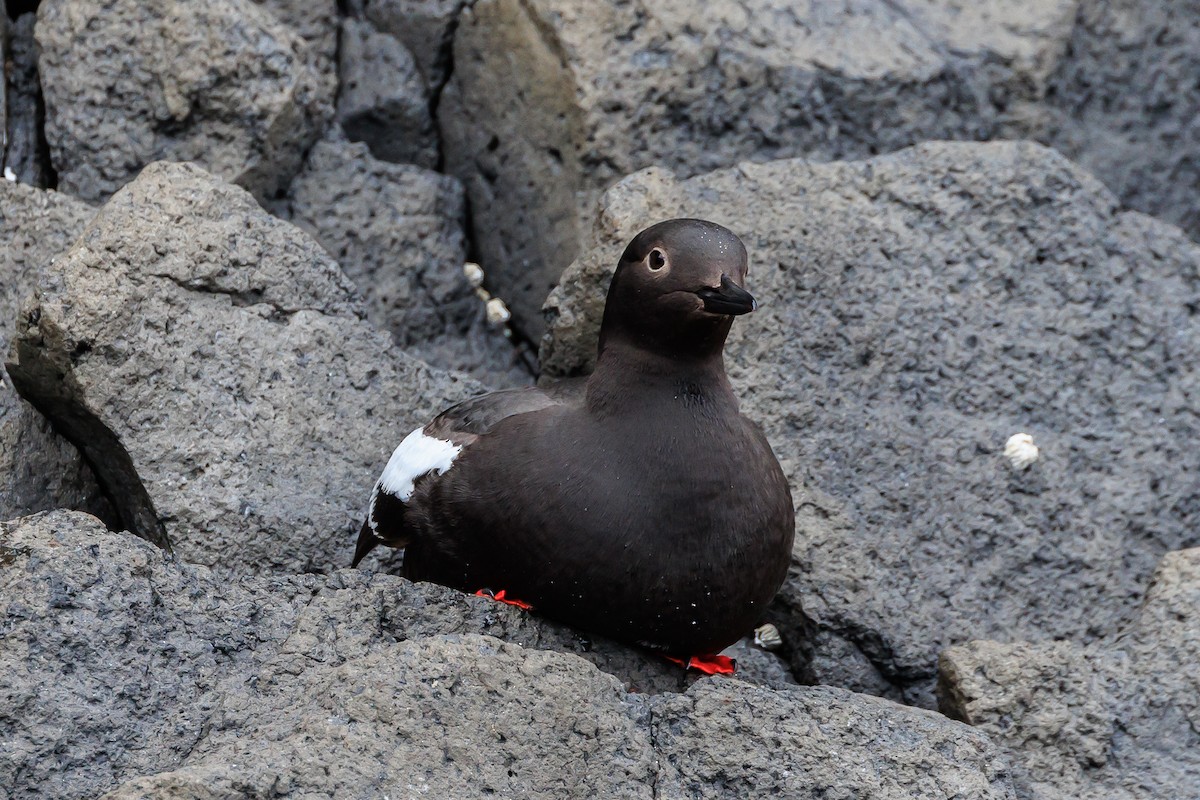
(500, 598)
(709, 665)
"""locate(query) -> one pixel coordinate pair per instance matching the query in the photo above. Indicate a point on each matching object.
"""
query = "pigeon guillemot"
(640, 504)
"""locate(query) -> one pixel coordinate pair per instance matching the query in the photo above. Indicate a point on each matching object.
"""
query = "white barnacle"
(417, 455)
(474, 274)
(497, 311)
(1020, 450)
(767, 637)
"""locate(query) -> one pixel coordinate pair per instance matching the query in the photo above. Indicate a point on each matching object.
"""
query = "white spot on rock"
(417, 455)
(9, 175)
(1020, 450)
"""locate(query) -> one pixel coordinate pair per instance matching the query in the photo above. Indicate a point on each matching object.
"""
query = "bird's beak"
(728, 298)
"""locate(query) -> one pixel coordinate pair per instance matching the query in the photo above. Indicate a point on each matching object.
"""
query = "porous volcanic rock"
(426, 28)
(39, 470)
(128, 672)
(918, 309)
(212, 363)
(553, 100)
(1119, 718)
(397, 231)
(383, 100)
(222, 83)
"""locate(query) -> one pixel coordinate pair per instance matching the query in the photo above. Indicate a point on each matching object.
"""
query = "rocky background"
(232, 278)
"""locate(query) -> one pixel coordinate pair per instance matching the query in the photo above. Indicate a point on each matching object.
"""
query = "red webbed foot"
(500, 598)
(709, 665)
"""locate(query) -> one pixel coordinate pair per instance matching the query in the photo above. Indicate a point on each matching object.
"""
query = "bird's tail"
(367, 542)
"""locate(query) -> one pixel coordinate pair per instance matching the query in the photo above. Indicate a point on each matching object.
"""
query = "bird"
(637, 503)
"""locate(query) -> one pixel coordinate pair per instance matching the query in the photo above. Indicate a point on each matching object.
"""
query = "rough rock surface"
(397, 231)
(918, 309)
(425, 27)
(211, 362)
(24, 149)
(39, 470)
(222, 83)
(383, 100)
(552, 100)
(316, 21)
(1125, 104)
(1119, 718)
(182, 683)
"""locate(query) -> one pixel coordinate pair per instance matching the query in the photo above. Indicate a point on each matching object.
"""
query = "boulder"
(1124, 103)
(553, 100)
(39, 470)
(918, 309)
(127, 672)
(1118, 718)
(425, 27)
(397, 231)
(212, 363)
(383, 100)
(725, 739)
(224, 84)
(316, 22)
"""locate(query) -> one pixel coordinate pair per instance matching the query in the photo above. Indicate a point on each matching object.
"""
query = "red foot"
(500, 598)
(709, 665)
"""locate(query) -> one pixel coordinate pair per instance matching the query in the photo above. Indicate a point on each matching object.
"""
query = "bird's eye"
(657, 260)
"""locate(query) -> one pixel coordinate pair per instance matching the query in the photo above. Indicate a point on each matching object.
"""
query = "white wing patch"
(417, 455)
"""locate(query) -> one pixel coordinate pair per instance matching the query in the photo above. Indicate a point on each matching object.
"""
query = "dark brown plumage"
(639, 504)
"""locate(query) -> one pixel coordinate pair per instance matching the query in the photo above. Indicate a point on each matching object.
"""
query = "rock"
(397, 231)
(25, 159)
(726, 739)
(223, 84)
(127, 672)
(39, 470)
(211, 363)
(316, 23)
(1125, 106)
(425, 27)
(917, 310)
(1119, 718)
(553, 100)
(383, 100)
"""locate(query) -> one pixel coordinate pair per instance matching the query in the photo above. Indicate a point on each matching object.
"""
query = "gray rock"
(126, 672)
(919, 309)
(383, 100)
(223, 84)
(553, 100)
(25, 156)
(725, 739)
(211, 363)
(397, 231)
(1119, 718)
(1125, 104)
(425, 27)
(316, 21)
(39, 470)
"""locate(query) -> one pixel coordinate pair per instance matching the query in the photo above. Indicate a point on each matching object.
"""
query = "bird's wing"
(432, 450)
(479, 415)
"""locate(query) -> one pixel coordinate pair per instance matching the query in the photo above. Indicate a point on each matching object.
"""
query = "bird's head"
(676, 290)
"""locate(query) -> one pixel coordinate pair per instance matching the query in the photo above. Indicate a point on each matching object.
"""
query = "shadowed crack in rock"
(48, 382)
